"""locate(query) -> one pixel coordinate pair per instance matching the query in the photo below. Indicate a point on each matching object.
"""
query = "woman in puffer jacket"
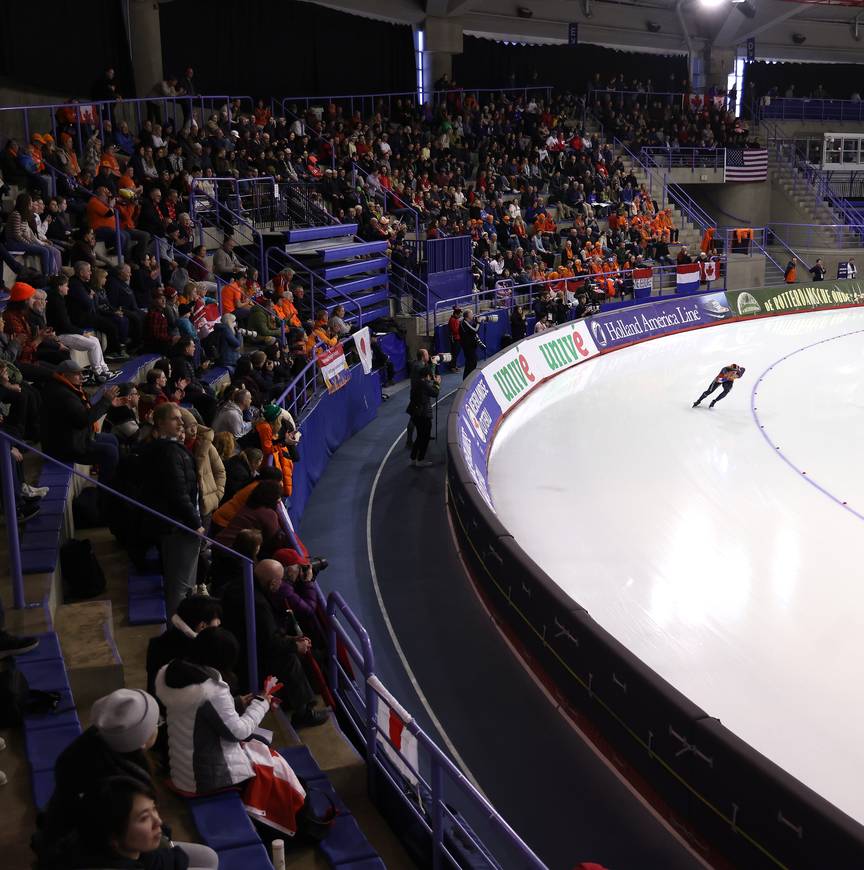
(204, 729)
(208, 464)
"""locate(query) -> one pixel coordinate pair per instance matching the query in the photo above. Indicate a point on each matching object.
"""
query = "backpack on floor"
(17, 699)
(82, 574)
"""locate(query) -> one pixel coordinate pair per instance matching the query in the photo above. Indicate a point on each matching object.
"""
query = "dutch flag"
(687, 278)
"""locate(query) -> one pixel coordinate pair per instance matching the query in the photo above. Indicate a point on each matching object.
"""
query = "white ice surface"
(685, 534)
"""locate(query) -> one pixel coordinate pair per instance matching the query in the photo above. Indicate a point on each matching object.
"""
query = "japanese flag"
(392, 727)
(364, 348)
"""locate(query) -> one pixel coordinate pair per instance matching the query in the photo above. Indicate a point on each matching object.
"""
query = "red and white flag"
(390, 724)
(363, 343)
(708, 270)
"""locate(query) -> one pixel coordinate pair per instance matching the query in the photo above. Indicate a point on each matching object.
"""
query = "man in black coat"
(278, 653)
(122, 297)
(67, 420)
(470, 341)
(169, 485)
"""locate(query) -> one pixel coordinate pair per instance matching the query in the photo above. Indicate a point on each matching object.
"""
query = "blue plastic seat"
(146, 610)
(45, 523)
(39, 561)
(145, 585)
(222, 822)
(302, 762)
(47, 676)
(45, 745)
(31, 540)
(346, 842)
(48, 649)
(362, 864)
(245, 858)
(43, 787)
(52, 504)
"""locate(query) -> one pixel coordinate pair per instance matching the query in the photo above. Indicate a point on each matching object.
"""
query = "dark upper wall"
(486, 63)
(63, 46)
(265, 48)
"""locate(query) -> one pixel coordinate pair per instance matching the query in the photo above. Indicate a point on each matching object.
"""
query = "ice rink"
(729, 566)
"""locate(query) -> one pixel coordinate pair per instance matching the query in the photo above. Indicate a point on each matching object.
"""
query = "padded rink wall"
(748, 807)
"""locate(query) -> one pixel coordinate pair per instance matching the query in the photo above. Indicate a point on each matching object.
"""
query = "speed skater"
(728, 375)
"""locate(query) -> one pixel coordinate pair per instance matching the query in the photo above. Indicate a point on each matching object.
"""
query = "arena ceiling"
(782, 29)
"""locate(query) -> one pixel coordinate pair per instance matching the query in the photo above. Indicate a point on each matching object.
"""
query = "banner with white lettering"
(627, 325)
(514, 374)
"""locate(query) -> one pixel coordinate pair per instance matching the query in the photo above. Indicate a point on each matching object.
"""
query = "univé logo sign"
(515, 373)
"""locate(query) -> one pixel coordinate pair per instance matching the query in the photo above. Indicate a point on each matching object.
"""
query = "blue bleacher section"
(41, 537)
(351, 272)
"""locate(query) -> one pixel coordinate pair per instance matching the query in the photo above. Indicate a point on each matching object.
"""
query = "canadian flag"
(392, 727)
(708, 270)
(363, 343)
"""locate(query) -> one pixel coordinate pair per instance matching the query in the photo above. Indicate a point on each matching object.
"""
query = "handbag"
(316, 816)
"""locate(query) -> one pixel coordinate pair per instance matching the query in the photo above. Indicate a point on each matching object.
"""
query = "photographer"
(425, 386)
(469, 338)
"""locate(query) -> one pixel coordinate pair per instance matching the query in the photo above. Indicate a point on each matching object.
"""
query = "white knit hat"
(126, 719)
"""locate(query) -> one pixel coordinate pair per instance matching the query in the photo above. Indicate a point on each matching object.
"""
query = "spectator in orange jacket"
(234, 300)
(102, 219)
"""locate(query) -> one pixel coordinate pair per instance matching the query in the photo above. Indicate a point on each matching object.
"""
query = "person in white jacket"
(205, 731)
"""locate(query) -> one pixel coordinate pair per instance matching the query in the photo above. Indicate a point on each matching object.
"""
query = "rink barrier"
(708, 779)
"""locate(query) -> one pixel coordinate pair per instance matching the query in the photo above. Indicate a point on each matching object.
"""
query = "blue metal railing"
(434, 811)
(685, 158)
(809, 109)
(674, 193)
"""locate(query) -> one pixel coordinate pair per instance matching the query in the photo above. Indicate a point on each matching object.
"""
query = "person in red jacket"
(453, 327)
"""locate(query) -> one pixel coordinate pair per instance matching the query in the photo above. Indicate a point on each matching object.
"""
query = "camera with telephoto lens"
(441, 358)
(317, 564)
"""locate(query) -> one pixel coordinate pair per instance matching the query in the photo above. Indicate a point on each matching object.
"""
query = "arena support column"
(145, 43)
(442, 38)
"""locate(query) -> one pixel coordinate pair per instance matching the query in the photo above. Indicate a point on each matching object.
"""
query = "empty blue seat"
(44, 745)
(45, 523)
(39, 561)
(52, 504)
(145, 585)
(302, 762)
(43, 787)
(362, 864)
(47, 676)
(245, 858)
(222, 822)
(49, 648)
(346, 842)
(146, 610)
(40, 540)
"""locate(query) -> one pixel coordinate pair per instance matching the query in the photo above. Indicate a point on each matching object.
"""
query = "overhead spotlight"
(524, 12)
(799, 38)
(652, 26)
(711, 4)
(746, 8)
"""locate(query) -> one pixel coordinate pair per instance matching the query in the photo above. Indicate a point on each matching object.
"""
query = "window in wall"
(735, 80)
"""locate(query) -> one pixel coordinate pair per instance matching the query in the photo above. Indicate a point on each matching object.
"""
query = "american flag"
(746, 164)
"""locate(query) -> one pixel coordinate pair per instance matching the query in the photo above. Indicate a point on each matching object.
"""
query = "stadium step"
(372, 264)
(355, 287)
(93, 663)
(349, 252)
(309, 234)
